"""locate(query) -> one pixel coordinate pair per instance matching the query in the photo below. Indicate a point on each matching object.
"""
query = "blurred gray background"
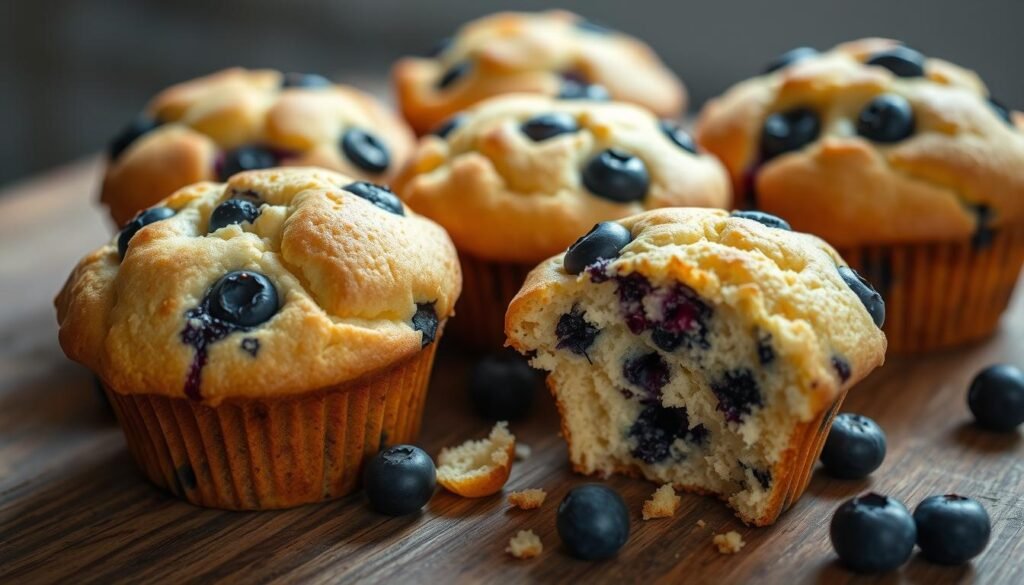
(74, 71)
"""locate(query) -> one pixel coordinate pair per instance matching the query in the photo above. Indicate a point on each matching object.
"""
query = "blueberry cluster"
(657, 428)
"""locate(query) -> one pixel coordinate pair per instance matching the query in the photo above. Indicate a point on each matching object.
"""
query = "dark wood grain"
(73, 508)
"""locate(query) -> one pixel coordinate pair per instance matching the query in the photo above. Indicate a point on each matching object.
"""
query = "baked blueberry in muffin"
(701, 352)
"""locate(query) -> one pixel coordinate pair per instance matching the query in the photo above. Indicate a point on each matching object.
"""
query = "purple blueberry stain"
(684, 321)
(575, 333)
(737, 393)
(765, 349)
(649, 372)
(657, 427)
(632, 289)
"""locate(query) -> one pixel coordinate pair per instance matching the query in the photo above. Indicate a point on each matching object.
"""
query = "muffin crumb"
(523, 452)
(663, 503)
(701, 524)
(729, 543)
(525, 545)
(478, 468)
(527, 499)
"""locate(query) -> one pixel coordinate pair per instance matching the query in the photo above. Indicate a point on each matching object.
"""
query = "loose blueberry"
(502, 386)
(231, 212)
(243, 298)
(903, 61)
(603, 241)
(453, 74)
(141, 220)
(996, 397)
(593, 522)
(649, 372)
(854, 448)
(866, 293)
(365, 150)
(788, 131)
(136, 128)
(951, 529)
(246, 158)
(678, 136)
(1001, 110)
(887, 118)
(575, 333)
(425, 321)
(737, 393)
(617, 175)
(306, 80)
(399, 480)
(873, 533)
(544, 126)
(772, 221)
(379, 195)
(657, 428)
(575, 90)
(788, 58)
(448, 125)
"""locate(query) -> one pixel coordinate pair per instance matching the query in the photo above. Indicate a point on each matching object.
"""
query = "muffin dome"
(555, 53)
(279, 282)
(870, 143)
(518, 178)
(235, 120)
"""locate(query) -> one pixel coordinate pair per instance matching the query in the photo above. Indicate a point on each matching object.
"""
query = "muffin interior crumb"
(729, 543)
(524, 545)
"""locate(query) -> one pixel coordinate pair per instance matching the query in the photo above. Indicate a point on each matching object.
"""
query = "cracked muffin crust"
(555, 53)
(234, 120)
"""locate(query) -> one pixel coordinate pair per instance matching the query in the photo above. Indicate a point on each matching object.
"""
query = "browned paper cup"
(487, 289)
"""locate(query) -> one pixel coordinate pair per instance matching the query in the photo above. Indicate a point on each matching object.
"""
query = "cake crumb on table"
(729, 543)
(701, 524)
(527, 499)
(525, 545)
(663, 503)
(523, 452)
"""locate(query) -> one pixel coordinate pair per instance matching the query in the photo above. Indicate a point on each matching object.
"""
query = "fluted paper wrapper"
(487, 290)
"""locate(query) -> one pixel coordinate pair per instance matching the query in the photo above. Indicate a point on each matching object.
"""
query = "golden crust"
(348, 274)
(514, 52)
(852, 191)
(203, 117)
(504, 197)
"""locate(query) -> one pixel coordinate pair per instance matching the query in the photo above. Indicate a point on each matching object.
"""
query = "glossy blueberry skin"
(399, 480)
(788, 131)
(243, 298)
(449, 125)
(545, 126)
(887, 118)
(996, 397)
(866, 293)
(617, 175)
(502, 386)
(772, 221)
(604, 240)
(306, 80)
(133, 131)
(873, 534)
(855, 447)
(678, 136)
(141, 220)
(575, 90)
(951, 529)
(788, 58)
(593, 522)
(231, 212)
(379, 195)
(902, 61)
(246, 158)
(453, 74)
(365, 150)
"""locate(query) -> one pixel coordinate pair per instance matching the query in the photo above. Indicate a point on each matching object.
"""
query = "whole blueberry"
(379, 195)
(996, 397)
(306, 80)
(855, 447)
(617, 175)
(593, 522)
(873, 533)
(140, 221)
(903, 61)
(1001, 110)
(887, 118)
(231, 212)
(544, 126)
(603, 241)
(951, 529)
(453, 74)
(399, 480)
(136, 128)
(788, 131)
(772, 221)
(788, 58)
(678, 136)
(575, 90)
(866, 293)
(502, 386)
(426, 322)
(246, 158)
(365, 150)
(243, 298)
(449, 125)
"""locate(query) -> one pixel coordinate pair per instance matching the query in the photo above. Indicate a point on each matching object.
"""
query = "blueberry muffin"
(555, 53)
(700, 349)
(904, 163)
(236, 120)
(259, 338)
(518, 178)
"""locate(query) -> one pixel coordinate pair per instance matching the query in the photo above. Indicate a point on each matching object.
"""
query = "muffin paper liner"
(487, 289)
(942, 294)
(265, 453)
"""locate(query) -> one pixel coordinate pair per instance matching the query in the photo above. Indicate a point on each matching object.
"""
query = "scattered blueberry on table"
(502, 386)
(996, 397)
(951, 529)
(399, 480)
(854, 448)
(593, 522)
(873, 533)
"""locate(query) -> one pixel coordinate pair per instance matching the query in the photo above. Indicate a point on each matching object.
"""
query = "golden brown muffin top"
(340, 280)
(551, 53)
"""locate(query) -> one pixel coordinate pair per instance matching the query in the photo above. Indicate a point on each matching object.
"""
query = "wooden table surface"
(73, 508)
